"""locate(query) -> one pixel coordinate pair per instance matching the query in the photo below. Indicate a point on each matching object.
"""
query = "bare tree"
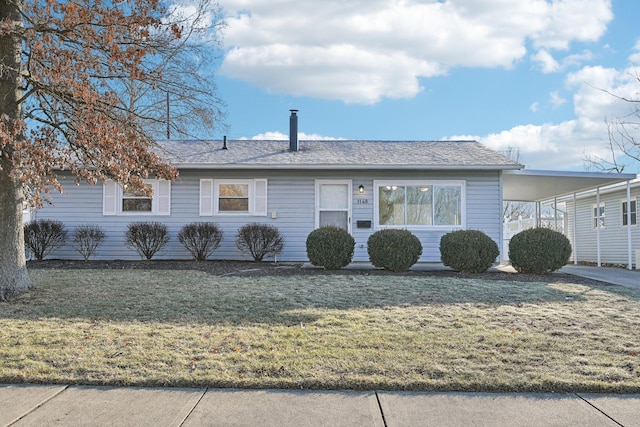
(178, 98)
(512, 210)
(62, 65)
(620, 143)
(623, 143)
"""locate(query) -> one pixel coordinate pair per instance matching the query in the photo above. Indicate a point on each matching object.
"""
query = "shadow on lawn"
(214, 293)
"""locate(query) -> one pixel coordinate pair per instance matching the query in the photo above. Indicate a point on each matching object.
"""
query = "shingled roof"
(339, 154)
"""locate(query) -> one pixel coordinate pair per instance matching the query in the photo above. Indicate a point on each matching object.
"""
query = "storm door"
(333, 203)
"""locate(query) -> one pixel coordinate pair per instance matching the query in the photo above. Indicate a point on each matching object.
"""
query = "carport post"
(575, 234)
(629, 245)
(598, 224)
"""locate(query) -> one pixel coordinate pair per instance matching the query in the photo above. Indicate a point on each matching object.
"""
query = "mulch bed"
(253, 269)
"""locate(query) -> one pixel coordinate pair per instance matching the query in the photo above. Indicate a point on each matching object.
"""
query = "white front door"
(333, 203)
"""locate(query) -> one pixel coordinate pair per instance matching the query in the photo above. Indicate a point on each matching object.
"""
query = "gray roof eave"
(241, 166)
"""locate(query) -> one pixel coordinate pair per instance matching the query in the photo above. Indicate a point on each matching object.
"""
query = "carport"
(544, 186)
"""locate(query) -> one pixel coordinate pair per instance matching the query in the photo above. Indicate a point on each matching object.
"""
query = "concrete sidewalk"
(35, 405)
(615, 276)
(612, 275)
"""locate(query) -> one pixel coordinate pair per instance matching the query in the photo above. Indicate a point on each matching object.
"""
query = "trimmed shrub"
(201, 239)
(539, 250)
(260, 240)
(394, 250)
(87, 238)
(468, 251)
(41, 237)
(147, 238)
(330, 247)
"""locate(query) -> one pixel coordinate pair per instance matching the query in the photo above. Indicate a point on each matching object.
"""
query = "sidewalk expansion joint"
(186, 417)
(599, 410)
(384, 421)
(39, 405)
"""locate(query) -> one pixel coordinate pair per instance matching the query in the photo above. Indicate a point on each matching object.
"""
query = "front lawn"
(403, 332)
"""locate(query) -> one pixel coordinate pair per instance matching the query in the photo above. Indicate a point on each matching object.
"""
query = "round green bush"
(539, 251)
(330, 247)
(394, 250)
(468, 251)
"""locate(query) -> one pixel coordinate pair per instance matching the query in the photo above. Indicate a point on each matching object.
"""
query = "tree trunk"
(13, 267)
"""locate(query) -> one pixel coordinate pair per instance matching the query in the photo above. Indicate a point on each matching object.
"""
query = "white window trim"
(595, 220)
(623, 216)
(210, 193)
(415, 183)
(113, 195)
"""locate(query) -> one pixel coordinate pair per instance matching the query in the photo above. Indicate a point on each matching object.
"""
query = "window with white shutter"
(233, 197)
(123, 200)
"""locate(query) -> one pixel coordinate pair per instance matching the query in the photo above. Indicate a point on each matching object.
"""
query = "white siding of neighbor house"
(613, 237)
(291, 200)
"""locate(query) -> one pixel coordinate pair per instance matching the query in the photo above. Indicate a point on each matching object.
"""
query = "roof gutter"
(241, 166)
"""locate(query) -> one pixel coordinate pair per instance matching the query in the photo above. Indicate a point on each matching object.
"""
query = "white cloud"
(362, 51)
(634, 59)
(564, 145)
(573, 20)
(556, 100)
(279, 136)
(534, 107)
(548, 64)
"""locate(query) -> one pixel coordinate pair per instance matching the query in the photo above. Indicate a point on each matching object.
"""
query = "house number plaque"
(362, 201)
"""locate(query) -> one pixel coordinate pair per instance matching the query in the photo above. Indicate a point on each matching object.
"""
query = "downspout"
(502, 254)
(575, 233)
(598, 225)
(629, 243)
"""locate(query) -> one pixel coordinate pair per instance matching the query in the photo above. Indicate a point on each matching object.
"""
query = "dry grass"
(190, 328)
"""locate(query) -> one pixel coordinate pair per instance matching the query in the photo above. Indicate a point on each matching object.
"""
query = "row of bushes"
(200, 239)
(537, 250)
(333, 247)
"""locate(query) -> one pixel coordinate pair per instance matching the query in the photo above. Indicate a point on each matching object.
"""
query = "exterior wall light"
(361, 189)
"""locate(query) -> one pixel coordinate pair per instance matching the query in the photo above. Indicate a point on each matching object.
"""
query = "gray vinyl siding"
(291, 200)
(613, 237)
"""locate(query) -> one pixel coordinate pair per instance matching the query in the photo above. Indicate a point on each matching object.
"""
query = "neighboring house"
(603, 225)
(613, 241)
(26, 214)
(427, 187)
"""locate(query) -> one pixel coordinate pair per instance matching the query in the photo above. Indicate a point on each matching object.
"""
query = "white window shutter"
(260, 197)
(164, 197)
(206, 197)
(110, 198)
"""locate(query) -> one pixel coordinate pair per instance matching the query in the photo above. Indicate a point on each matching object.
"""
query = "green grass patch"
(193, 329)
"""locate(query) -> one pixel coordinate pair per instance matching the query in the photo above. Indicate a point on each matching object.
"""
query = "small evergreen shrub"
(41, 237)
(330, 247)
(468, 251)
(539, 250)
(147, 238)
(87, 238)
(201, 239)
(259, 240)
(394, 250)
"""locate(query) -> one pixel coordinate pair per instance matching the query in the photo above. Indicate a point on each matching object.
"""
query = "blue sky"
(508, 73)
